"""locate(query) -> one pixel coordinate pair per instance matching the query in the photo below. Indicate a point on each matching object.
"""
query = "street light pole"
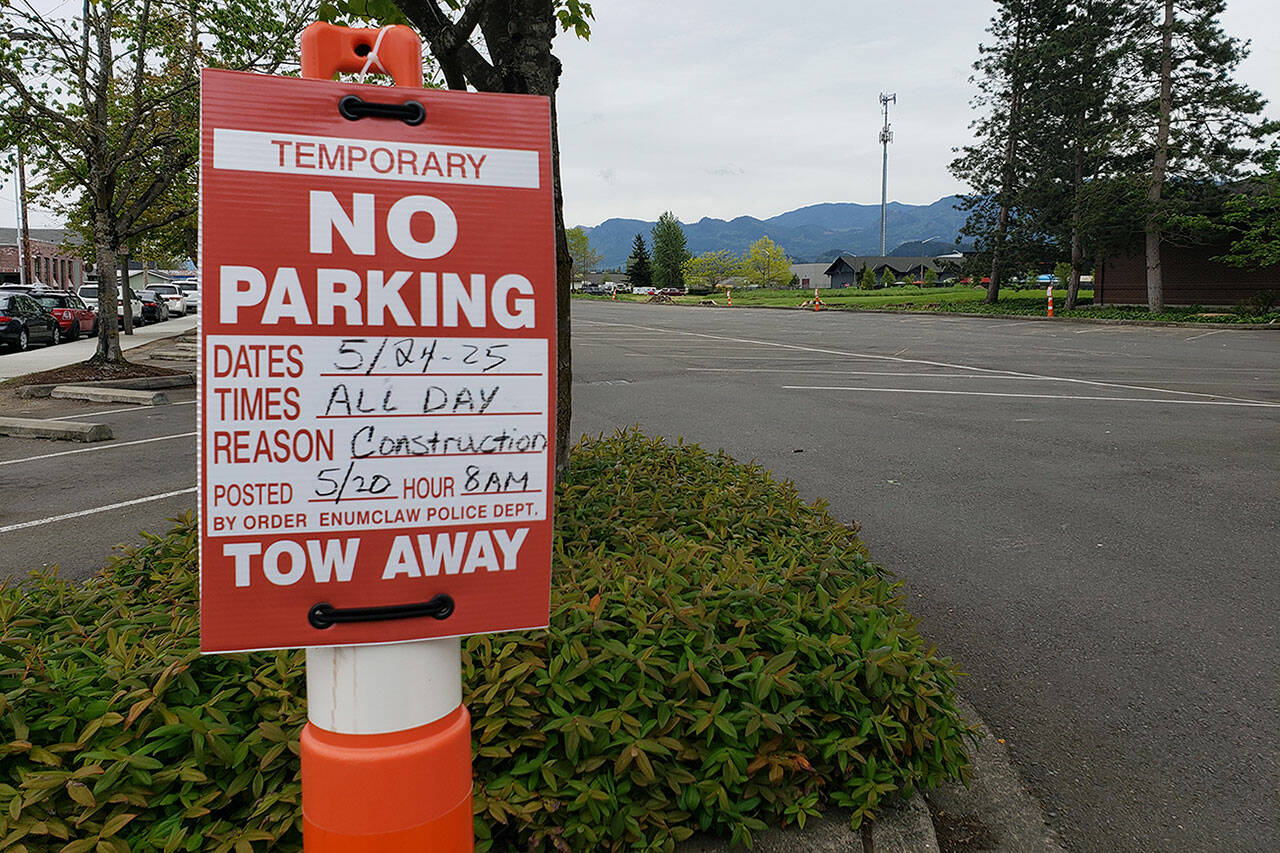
(886, 136)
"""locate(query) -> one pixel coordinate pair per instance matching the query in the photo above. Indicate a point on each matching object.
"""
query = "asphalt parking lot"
(1085, 517)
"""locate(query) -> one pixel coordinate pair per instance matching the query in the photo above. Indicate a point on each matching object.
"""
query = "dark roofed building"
(846, 270)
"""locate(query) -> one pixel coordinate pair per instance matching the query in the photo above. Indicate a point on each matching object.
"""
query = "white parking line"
(97, 509)
(99, 447)
(116, 411)
(987, 370)
(1244, 404)
(1206, 334)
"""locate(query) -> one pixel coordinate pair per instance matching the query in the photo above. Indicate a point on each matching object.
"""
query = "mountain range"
(815, 233)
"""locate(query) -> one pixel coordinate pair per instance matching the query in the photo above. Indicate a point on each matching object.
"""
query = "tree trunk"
(1077, 202)
(1159, 166)
(1010, 153)
(126, 292)
(108, 331)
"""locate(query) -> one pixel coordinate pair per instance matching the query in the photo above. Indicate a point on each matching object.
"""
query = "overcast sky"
(729, 107)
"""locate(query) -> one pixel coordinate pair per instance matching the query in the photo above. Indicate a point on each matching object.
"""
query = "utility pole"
(25, 273)
(886, 136)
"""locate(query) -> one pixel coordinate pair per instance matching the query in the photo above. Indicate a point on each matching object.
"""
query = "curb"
(109, 395)
(994, 811)
(182, 380)
(62, 430)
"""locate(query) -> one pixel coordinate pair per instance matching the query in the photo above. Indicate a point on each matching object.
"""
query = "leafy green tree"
(887, 278)
(584, 257)
(1200, 122)
(639, 269)
(868, 279)
(1006, 77)
(669, 251)
(110, 103)
(502, 46)
(766, 264)
(707, 270)
(930, 277)
(1256, 215)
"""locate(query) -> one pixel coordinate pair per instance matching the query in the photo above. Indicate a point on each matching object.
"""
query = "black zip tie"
(353, 108)
(324, 614)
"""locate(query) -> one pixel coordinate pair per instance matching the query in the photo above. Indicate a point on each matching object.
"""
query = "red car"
(74, 317)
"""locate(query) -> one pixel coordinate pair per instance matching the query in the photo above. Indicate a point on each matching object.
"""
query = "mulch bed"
(87, 372)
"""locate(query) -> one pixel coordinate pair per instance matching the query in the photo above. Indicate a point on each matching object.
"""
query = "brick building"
(51, 264)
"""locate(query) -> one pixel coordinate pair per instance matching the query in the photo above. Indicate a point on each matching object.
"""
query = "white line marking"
(989, 370)
(116, 411)
(1036, 396)
(97, 509)
(99, 447)
(897, 374)
(1206, 334)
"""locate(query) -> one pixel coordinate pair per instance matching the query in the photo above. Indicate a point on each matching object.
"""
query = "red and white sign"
(377, 373)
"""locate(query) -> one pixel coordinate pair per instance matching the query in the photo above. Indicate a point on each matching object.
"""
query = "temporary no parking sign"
(377, 373)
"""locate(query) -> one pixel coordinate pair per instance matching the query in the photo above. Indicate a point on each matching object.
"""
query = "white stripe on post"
(365, 690)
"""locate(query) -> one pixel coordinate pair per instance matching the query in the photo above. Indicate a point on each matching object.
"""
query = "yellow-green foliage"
(721, 656)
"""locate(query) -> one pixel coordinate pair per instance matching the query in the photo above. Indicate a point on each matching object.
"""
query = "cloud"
(725, 171)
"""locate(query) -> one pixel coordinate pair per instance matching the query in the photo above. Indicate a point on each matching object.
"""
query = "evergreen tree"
(887, 278)
(1198, 121)
(639, 270)
(868, 279)
(669, 251)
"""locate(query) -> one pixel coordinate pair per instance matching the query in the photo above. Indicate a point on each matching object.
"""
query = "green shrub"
(721, 656)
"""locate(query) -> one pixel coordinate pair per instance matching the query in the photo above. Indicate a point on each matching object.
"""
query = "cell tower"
(886, 136)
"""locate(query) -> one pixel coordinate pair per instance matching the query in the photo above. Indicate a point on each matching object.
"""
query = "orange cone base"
(403, 791)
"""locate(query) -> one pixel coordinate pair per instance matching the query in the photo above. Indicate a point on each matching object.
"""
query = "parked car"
(23, 321)
(88, 294)
(154, 308)
(191, 289)
(595, 290)
(73, 315)
(173, 297)
(671, 291)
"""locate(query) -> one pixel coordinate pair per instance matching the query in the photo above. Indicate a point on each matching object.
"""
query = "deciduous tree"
(868, 279)
(583, 256)
(110, 102)
(766, 264)
(504, 46)
(710, 268)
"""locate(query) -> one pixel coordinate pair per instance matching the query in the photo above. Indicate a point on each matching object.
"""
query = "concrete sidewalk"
(47, 358)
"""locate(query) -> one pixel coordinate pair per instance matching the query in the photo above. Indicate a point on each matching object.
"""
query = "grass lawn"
(966, 299)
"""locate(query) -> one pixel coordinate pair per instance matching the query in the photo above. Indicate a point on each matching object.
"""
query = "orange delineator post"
(729, 292)
(396, 50)
(1049, 291)
(817, 303)
(396, 791)
(386, 752)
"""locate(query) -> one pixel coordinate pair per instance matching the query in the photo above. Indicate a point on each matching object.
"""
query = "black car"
(154, 308)
(23, 321)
